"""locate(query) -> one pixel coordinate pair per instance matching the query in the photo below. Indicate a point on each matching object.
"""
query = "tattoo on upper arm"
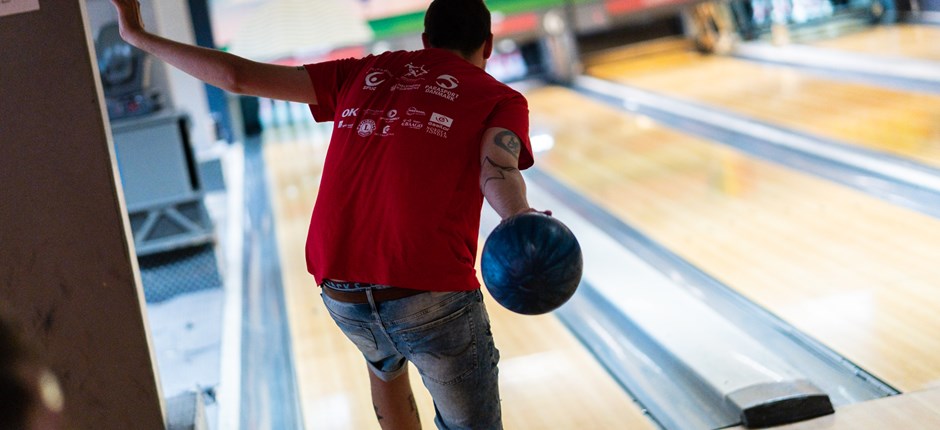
(509, 142)
(499, 172)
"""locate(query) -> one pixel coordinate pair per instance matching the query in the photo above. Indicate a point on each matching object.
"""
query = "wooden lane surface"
(857, 273)
(547, 379)
(903, 123)
(914, 41)
(920, 410)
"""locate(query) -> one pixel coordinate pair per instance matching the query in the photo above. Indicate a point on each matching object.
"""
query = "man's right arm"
(500, 180)
(229, 72)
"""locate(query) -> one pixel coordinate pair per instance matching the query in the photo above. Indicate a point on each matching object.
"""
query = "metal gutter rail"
(691, 352)
(884, 176)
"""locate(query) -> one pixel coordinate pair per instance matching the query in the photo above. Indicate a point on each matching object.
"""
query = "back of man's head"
(459, 25)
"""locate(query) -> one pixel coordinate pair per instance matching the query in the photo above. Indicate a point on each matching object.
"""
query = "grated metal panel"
(170, 274)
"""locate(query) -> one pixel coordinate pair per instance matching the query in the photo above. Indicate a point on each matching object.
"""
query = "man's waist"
(341, 285)
(359, 292)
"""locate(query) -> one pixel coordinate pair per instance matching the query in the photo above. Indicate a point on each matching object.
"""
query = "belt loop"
(372, 300)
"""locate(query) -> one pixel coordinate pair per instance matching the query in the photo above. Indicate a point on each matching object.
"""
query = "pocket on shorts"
(444, 350)
(358, 333)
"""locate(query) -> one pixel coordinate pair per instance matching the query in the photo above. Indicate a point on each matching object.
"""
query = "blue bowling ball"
(531, 263)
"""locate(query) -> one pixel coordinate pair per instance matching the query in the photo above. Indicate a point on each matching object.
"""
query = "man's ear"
(425, 40)
(488, 47)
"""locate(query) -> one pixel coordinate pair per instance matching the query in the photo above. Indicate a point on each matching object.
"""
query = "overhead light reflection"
(542, 142)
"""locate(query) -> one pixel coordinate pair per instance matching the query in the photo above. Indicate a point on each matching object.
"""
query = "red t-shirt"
(399, 201)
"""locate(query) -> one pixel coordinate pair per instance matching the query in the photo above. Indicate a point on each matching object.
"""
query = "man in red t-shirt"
(419, 140)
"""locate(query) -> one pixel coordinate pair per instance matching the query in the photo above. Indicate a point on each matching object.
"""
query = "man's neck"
(476, 59)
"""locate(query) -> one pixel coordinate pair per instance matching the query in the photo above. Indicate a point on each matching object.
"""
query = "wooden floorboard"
(900, 40)
(548, 380)
(857, 273)
(902, 123)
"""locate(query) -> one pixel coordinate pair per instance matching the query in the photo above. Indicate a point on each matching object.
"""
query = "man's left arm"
(221, 69)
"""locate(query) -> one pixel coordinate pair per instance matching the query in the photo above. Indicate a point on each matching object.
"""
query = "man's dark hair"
(461, 25)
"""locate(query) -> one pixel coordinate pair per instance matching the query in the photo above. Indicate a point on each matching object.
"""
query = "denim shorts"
(446, 335)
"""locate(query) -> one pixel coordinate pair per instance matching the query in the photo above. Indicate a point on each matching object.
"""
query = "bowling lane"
(547, 379)
(852, 271)
(902, 123)
(902, 40)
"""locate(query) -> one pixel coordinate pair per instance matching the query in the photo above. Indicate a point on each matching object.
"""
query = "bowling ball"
(531, 263)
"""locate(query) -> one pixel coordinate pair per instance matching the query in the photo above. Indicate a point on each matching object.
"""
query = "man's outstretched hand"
(532, 210)
(129, 21)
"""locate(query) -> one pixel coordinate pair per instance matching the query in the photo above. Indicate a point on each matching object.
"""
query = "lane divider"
(885, 176)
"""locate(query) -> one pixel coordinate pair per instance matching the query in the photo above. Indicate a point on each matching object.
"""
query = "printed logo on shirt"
(386, 131)
(436, 132)
(413, 124)
(351, 112)
(391, 116)
(344, 124)
(366, 128)
(415, 72)
(405, 87)
(443, 87)
(376, 112)
(442, 120)
(439, 125)
(413, 111)
(447, 82)
(375, 78)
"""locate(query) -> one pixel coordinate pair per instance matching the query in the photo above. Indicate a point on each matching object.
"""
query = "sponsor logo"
(447, 82)
(375, 78)
(441, 92)
(442, 120)
(366, 128)
(391, 116)
(415, 72)
(413, 124)
(344, 124)
(412, 111)
(439, 125)
(405, 87)
(386, 131)
(375, 112)
(436, 132)
(350, 112)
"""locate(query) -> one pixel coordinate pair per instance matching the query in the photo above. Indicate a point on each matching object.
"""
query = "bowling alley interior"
(754, 186)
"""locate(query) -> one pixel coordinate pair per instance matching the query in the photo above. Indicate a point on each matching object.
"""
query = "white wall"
(174, 22)
(170, 19)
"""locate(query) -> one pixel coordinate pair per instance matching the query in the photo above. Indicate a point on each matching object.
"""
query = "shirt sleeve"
(328, 78)
(512, 114)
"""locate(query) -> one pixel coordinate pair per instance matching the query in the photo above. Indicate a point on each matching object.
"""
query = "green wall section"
(414, 22)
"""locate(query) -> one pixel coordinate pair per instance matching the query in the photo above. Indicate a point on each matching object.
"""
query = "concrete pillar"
(67, 264)
(559, 47)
